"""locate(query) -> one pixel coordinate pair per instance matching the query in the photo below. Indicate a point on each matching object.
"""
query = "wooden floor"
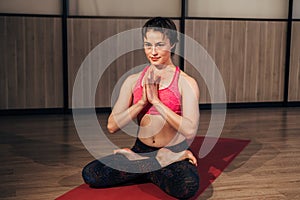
(41, 155)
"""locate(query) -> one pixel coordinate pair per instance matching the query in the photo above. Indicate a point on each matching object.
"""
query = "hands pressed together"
(150, 88)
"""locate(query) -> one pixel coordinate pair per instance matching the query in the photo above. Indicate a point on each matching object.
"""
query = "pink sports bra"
(169, 96)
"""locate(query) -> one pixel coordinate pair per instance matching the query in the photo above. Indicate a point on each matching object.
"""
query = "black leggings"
(179, 179)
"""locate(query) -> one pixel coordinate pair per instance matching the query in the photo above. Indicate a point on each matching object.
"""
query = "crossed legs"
(179, 179)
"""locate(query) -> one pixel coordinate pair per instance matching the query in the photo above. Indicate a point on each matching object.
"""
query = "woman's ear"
(173, 45)
(172, 49)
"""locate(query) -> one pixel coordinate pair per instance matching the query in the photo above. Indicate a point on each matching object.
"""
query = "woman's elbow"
(111, 125)
(191, 133)
(190, 136)
(111, 128)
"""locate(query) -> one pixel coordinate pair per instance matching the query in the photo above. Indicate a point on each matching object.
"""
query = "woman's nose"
(153, 50)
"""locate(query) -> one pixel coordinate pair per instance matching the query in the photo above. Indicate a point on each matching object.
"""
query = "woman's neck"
(164, 67)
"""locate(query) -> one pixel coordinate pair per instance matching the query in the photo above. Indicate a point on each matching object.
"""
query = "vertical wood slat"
(3, 60)
(31, 70)
(83, 36)
(248, 54)
(294, 81)
(31, 63)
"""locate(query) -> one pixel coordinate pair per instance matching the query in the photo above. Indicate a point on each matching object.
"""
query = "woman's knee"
(89, 174)
(188, 188)
(192, 188)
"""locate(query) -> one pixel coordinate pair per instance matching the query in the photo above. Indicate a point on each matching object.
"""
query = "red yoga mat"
(209, 168)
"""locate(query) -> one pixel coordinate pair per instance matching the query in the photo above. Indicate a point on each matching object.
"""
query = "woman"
(164, 100)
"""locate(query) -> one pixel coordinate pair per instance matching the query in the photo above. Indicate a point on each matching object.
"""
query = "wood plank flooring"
(42, 156)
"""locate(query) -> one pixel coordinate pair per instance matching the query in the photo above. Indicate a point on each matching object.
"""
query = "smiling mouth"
(154, 58)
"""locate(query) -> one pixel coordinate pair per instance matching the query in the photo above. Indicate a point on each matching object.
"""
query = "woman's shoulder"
(184, 77)
(186, 81)
(132, 79)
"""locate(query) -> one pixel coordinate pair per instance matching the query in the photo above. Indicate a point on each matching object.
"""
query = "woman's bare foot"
(166, 157)
(129, 154)
(189, 155)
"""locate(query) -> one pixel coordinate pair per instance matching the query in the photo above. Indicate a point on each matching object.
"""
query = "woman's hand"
(151, 87)
(144, 101)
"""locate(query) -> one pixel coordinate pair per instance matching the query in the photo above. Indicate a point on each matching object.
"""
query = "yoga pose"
(164, 100)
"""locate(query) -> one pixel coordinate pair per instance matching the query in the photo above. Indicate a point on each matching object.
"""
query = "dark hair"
(164, 25)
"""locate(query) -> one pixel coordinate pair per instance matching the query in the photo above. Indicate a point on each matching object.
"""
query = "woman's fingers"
(157, 81)
(151, 75)
(151, 85)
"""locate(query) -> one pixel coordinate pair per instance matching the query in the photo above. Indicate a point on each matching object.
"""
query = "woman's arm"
(187, 124)
(123, 112)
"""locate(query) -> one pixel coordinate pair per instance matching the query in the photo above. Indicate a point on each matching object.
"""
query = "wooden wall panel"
(250, 56)
(83, 36)
(31, 63)
(294, 82)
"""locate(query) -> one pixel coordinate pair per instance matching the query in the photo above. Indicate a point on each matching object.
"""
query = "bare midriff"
(157, 132)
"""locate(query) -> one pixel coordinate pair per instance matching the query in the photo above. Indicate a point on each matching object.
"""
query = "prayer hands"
(151, 86)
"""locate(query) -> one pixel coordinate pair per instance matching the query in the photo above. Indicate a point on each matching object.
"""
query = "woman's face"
(157, 48)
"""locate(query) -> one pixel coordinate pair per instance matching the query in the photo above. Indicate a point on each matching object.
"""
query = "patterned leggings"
(179, 179)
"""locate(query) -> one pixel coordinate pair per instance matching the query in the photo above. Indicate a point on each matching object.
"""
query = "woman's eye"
(161, 45)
